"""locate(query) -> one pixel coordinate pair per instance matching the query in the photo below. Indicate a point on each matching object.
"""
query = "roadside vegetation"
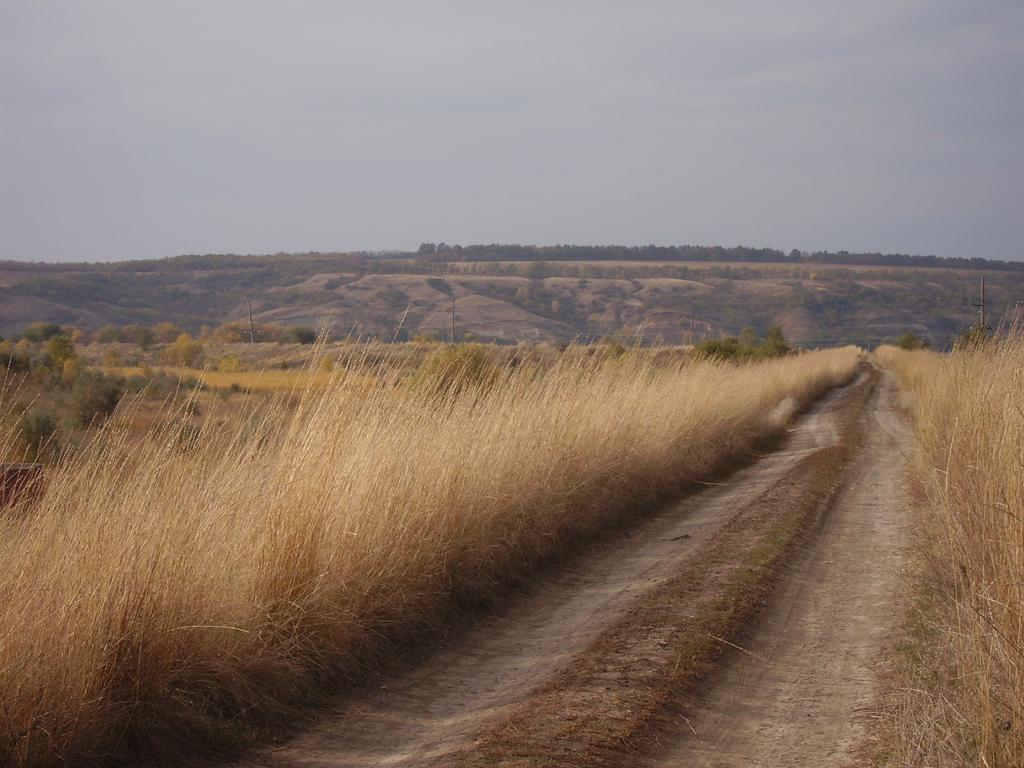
(960, 694)
(217, 574)
(747, 346)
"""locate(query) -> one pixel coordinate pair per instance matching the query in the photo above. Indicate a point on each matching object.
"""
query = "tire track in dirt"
(801, 693)
(433, 710)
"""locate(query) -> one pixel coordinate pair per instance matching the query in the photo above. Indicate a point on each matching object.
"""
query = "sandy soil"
(801, 692)
(432, 712)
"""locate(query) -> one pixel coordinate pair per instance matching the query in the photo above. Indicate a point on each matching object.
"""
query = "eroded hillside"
(673, 302)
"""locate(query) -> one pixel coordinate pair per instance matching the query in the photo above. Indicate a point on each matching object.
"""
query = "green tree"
(775, 344)
(60, 349)
(748, 340)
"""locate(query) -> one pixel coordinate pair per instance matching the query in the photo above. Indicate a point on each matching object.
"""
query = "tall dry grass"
(173, 593)
(963, 701)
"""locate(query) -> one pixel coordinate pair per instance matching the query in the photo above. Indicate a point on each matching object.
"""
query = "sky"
(144, 129)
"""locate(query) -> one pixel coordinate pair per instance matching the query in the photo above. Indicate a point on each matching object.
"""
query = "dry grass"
(170, 595)
(270, 380)
(962, 702)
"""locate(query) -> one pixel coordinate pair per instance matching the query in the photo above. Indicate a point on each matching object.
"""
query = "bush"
(70, 371)
(455, 367)
(727, 348)
(13, 360)
(747, 346)
(185, 351)
(774, 344)
(911, 341)
(164, 333)
(41, 331)
(38, 431)
(95, 396)
(300, 334)
(60, 348)
(229, 363)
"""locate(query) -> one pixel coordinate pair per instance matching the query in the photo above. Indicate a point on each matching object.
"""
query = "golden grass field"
(962, 702)
(183, 589)
(269, 380)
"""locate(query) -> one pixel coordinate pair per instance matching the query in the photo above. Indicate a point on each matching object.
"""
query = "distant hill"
(512, 293)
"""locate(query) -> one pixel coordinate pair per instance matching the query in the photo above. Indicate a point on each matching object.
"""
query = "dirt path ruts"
(802, 693)
(430, 712)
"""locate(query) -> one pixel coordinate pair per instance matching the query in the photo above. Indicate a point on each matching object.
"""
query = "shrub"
(727, 348)
(300, 334)
(95, 396)
(38, 431)
(747, 346)
(454, 367)
(164, 333)
(911, 341)
(774, 344)
(41, 331)
(13, 360)
(70, 371)
(229, 363)
(60, 348)
(185, 351)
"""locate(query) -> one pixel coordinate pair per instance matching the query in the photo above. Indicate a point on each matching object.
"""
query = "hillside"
(508, 300)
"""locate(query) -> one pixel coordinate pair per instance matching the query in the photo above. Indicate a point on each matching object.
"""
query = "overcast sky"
(143, 129)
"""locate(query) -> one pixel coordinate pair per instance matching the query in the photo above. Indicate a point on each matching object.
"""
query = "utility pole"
(982, 303)
(252, 326)
(453, 318)
(981, 308)
(982, 327)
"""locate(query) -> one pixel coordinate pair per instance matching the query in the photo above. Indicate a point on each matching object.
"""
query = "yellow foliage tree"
(164, 333)
(184, 351)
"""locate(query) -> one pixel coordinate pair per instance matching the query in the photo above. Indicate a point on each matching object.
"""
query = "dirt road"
(801, 692)
(836, 614)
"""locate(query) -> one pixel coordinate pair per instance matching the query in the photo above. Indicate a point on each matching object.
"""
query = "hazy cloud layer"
(139, 129)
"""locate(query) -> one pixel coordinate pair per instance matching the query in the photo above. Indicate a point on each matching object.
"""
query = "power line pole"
(981, 306)
(453, 318)
(982, 320)
(252, 326)
(983, 303)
